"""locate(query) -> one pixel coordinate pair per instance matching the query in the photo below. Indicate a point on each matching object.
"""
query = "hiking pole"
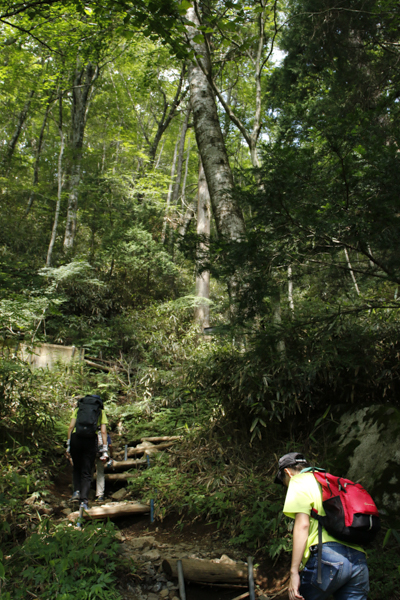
(251, 577)
(126, 452)
(181, 580)
(152, 500)
(80, 517)
(152, 510)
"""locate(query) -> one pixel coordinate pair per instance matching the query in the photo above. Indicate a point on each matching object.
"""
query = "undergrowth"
(204, 480)
(64, 563)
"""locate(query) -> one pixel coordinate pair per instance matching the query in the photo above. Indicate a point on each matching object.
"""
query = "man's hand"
(294, 586)
(104, 457)
(68, 452)
(300, 535)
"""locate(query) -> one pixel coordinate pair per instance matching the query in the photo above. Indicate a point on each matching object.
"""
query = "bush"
(63, 563)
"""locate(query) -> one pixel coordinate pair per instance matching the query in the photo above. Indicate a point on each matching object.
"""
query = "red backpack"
(351, 514)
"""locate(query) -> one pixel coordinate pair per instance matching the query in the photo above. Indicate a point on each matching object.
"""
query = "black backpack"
(89, 410)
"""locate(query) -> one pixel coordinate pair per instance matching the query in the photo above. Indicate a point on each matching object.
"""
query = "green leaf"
(185, 5)
(396, 535)
(387, 536)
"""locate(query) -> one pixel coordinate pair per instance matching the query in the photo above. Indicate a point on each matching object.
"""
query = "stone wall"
(45, 355)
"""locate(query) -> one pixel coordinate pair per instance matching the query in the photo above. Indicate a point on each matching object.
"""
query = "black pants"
(83, 453)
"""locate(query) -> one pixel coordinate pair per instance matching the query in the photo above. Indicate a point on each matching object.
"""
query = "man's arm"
(103, 429)
(71, 428)
(300, 535)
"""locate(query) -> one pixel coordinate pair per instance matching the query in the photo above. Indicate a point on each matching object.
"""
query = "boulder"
(369, 453)
(120, 494)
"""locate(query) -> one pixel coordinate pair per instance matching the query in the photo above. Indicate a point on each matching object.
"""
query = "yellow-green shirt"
(102, 420)
(303, 494)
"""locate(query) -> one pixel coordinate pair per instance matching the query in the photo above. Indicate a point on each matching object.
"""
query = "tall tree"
(228, 217)
(83, 87)
(202, 312)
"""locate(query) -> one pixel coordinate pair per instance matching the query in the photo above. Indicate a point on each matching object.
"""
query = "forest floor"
(144, 546)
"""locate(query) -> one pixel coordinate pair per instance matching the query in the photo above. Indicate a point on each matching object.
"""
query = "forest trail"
(147, 544)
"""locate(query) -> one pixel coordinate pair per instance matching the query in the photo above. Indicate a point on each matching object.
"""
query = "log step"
(105, 512)
(118, 476)
(125, 464)
(199, 570)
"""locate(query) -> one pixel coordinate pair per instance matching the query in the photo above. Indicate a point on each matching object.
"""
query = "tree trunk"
(290, 289)
(186, 174)
(202, 311)
(14, 140)
(169, 196)
(187, 217)
(353, 277)
(81, 95)
(181, 151)
(59, 186)
(38, 153)
(228, 217)
(277, 319)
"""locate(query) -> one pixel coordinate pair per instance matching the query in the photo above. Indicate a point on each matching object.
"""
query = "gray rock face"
(369, 453)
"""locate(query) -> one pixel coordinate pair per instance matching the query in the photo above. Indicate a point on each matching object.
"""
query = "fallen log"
(104, 512)
(125, 464)
(199, 570)
(145, 448)
(165, 438)
(159, 447)
(117, 476)
(130, 452)
(102, 367)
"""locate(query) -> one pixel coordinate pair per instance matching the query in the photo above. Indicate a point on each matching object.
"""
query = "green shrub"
(63, 563)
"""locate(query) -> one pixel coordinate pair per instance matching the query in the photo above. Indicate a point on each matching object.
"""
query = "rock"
(66, 511)
(119, 536)
(152, 596)
(120, 494)
(226, 560)
(157, 587)
(45, 510)
(142, 542)
(31, 500)
(164, 593)
(150, 569)
(367, 450)
(151, 555)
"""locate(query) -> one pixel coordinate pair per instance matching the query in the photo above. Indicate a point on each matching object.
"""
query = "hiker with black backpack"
(82, 443)
(333, 518)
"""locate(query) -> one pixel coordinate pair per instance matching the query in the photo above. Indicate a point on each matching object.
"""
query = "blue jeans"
(344, 574)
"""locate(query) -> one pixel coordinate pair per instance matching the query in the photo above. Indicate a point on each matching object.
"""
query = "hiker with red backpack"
(82, 444)
(333, 517)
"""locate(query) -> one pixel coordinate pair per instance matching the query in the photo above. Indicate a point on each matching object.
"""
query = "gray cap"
(288, 460)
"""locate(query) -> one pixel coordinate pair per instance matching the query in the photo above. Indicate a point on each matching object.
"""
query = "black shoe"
(100, 498)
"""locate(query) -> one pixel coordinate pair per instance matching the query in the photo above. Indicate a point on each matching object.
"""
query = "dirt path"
(145, 545)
